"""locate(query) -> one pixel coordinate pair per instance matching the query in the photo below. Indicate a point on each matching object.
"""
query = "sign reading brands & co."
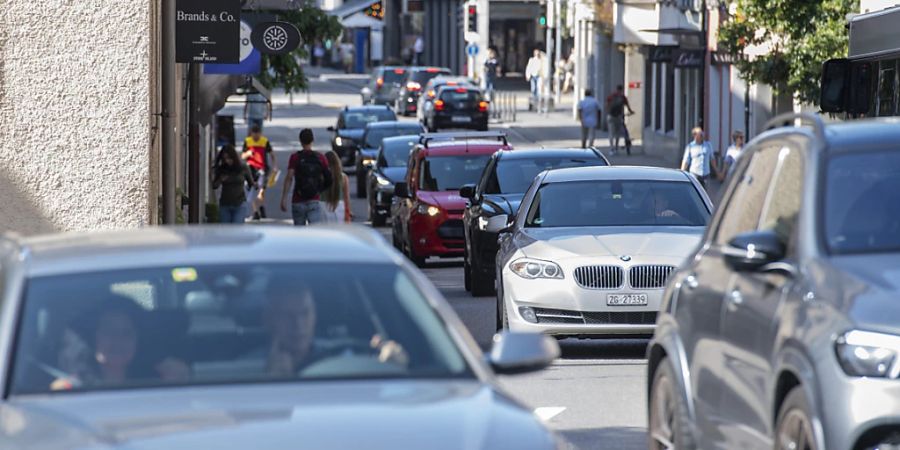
(207, 31)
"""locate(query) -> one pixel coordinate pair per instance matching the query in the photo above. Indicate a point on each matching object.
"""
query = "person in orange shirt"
(261, 159)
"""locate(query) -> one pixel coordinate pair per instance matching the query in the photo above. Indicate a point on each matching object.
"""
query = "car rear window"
(359, 119)
(394, 75)
(862, 203)
(228, 323)
(514, 175)
(375, 136)
(449, 173)
(425, 75)
(460, 95)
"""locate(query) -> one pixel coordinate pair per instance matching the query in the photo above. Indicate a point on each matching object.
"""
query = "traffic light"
(472, 18)
(543, 21)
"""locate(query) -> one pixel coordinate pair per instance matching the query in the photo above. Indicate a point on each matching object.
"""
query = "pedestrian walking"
(699, 158)
(418, 50)
(589, 116)
(234, 177)
(257, 109)
(569, 73)
(347, 56)
(318, 54)
(491, 72)
(533, 71)
(307, 176)
(616, 106)
(337, 196)
(732, 154)
(259, 156)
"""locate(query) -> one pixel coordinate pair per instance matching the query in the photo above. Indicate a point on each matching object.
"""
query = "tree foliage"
(285, 70)
(801, 35)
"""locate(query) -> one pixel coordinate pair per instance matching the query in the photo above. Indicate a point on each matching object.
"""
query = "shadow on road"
(603, 348)
(618, 438)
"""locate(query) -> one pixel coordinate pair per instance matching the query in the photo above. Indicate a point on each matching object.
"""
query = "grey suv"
(783, 329)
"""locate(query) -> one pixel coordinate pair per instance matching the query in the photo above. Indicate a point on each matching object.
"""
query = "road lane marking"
(546, 413)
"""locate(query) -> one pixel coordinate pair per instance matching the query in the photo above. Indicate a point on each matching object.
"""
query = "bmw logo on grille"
(625, 258)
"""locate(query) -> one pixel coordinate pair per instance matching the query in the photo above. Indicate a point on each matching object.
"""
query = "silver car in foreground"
(239, 338)
(590, 249)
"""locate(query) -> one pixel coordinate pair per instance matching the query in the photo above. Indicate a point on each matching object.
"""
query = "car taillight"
(452, 83)
(432, 70)
(379, 81)
(482, 106)
(413, 86)
(439, 105)
(461, 91)
(398, 71)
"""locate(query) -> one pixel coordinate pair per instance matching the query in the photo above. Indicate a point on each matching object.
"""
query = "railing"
(503, 106)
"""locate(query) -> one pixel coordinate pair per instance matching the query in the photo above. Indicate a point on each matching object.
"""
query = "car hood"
(560, 243)
(864, 287)
(393, 174)
(502, 203)
(448, 200)
(352, 133)
(317, 415)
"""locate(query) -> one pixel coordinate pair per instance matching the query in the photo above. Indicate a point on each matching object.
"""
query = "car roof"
(863, 135)
(79, 252)
(425, 68)
(394, 124)
(366, 108)
(400, 139)
(466, 86)
(452, 148)
(528, 153)
(591, 173)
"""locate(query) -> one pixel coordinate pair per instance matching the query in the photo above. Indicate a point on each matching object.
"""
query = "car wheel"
(794, 426)
(481, 285)
(467, 276)
(360, 183)
(669, 427)
(378, 220)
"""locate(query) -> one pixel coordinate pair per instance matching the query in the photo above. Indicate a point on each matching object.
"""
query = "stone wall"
(75, 119)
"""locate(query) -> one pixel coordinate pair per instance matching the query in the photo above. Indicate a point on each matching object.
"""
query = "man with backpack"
(308, 174)
(616, 104)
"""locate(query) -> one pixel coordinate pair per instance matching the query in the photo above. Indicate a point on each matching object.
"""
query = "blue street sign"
(472, 49)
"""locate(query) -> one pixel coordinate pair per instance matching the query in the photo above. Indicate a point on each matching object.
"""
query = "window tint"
(513, 176)
(785, 197)
(394, 75)
(375, 136)
(862, 202)
(359, 119)
(424, 76)
(449, 173)
(228, 324)
(617, 203)
(462, 95)
(395, 151)
(742, 214)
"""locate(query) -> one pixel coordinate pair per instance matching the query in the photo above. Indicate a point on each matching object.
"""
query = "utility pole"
(547, 82)
(167, 128)
(705, 33)
(558, 41)
(194, 204)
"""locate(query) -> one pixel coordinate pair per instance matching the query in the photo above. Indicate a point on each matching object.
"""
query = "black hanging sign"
(208, 31)
(275, 38)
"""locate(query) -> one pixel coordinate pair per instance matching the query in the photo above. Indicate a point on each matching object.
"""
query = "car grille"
(451, 229)
(561, 316)
(599, 277)
(649, 277)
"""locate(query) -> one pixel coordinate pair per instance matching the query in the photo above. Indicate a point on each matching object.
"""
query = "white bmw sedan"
(590, 249)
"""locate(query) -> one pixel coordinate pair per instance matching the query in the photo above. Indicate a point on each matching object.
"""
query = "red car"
(427, 216)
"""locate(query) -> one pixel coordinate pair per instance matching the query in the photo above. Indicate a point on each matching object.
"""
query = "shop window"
(670, 98)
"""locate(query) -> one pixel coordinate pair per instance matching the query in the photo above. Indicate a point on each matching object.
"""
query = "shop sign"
(688, 59)
(207, 31)
(275, 38)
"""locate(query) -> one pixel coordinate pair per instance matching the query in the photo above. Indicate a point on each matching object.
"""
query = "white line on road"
(545, 413)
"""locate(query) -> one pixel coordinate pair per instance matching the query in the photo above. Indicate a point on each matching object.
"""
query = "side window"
(489, 183)
(744, 208)
(785, 196)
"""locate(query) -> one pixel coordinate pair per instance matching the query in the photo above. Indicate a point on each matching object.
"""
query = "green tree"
(802, 34)
(285, 70)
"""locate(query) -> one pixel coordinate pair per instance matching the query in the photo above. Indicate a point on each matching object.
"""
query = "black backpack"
(310, 176)
(617, 105)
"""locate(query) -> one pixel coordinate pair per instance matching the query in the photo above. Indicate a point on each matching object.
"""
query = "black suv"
(351, 124)
(500, 190)
(371, 141)
(390, 168)
(458, 107)
(411, 88)
(384, 85)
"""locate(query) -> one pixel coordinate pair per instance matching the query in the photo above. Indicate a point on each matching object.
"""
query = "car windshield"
(395, 151)
(614, 203)
(359, 119)
(375, 136)
(514, 175)
(425, 75)
(449, 173)
(208, 324)
(862, 203)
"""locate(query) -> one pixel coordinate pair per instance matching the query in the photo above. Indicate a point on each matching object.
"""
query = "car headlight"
(868, 354)
(430, 210)
(482, 222)
(531, 269)
(382, 181)
(339, 141)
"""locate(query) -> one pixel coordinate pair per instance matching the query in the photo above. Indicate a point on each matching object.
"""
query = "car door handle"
(691, 282)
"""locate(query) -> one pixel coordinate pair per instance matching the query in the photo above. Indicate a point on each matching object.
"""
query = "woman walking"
(337, 197)
(233, 176)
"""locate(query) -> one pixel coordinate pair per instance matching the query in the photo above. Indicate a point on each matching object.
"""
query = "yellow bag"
(273, 178)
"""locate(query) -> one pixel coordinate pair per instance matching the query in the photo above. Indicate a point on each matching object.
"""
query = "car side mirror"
(467, 191)
(498, 224)
(401, 190)
(366, 93)
(330, 128)
(513, 353)
(749, 252)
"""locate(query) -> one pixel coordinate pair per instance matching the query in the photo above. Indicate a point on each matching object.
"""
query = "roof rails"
(425, 138)
(799, 119)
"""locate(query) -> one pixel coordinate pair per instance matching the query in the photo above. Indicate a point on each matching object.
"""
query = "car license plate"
(626, 299)
(461, 119)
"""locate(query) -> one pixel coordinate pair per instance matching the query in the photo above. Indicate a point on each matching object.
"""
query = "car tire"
(795, 424)
(360, 183)
(668, 421)
(481, 285)
(467, 276)
(378, 220)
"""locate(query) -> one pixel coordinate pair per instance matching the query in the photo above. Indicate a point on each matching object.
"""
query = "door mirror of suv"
(498, 224)
(330, 128)
(401, 190)
(467, 191)
(513, 353)
(752, 251)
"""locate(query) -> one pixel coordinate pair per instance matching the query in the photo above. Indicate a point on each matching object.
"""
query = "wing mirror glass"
(498, 224)
(467, 191)
(401, 190)
(748, 252)
(513, 353)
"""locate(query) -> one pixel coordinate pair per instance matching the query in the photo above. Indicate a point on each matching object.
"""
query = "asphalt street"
(594, 396)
